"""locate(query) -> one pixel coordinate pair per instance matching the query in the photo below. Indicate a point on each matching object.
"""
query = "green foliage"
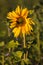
(12, 44)
(26, 61)
(2, 44)
(22, 62)
(3, 29)
(19, 54)
(11, 50)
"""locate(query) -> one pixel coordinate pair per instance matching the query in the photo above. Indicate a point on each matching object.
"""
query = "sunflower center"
(20, 21)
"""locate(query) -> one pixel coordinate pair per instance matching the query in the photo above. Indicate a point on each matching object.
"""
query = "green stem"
(10, 61)
(9, 49)
(24, 45)
(24, 41)
(3, 60)
(38, 38)
(26, 54)
(38, 32)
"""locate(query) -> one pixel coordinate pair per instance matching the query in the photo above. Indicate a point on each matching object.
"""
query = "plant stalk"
(24, 45)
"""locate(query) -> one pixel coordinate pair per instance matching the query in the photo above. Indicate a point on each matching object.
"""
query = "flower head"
(19, 21)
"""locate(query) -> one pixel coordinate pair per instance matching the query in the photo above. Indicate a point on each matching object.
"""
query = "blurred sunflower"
(19, 21)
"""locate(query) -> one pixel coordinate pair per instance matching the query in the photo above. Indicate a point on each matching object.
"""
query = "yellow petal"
(18, 10)
(30, 27)
(30, 21)
(24, 12)
(16, 31)
(12, 25)
(12, 15)
(14, 20)
(15, 15)
(26, 28)
(23, 29)
(9, 15)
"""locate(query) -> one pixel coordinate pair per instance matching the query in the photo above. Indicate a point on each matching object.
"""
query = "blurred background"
(8, 43)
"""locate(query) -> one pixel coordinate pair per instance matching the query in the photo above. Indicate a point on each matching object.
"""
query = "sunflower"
(19, 22)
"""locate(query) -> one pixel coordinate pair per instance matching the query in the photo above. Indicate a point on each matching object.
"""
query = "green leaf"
(2, 44)
(27, 61)
(19, 54)
(22, 62)
(29, 46)
(12, 44)
(31, 11)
